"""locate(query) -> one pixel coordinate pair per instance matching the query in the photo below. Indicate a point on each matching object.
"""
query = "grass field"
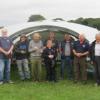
(63, 90)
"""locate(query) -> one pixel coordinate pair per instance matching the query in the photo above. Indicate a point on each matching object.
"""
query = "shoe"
(84, 82)
(70, 78)
(55, 81)
(96, 84)
(75, 81)
(10, 82)
(61, 78)
(22, 80)
(28, 79)
(1, 83)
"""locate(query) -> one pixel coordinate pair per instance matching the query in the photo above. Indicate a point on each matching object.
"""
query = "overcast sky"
(18, 11)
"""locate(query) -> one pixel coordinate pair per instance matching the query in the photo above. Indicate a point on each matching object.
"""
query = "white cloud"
(18, 11)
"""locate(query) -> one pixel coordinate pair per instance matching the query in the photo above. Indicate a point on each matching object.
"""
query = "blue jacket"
(63, 43)
(21, 50)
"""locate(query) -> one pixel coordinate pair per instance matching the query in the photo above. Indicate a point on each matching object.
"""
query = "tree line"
(92, 22)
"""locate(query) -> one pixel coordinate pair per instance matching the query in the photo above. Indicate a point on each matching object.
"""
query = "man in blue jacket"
(6, 48)
(80, 50)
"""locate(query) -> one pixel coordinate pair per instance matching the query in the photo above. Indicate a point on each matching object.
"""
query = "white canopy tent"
(72, 28)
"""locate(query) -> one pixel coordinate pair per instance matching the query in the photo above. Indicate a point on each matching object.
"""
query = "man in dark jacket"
(66, 56)
(95, 57)
(80, 50)
(6, 48)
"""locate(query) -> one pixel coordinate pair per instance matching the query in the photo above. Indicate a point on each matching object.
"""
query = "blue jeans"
(23, 69)
(66, 62)
(5, 69)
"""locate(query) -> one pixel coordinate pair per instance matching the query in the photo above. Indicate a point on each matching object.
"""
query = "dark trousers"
(80, 68)
(97, 69)
(50, 72)
(66, 62)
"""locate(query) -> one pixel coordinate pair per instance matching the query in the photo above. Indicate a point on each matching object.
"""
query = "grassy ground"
(63, 90)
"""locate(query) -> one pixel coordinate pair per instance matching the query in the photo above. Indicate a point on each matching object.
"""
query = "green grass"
(63, 90)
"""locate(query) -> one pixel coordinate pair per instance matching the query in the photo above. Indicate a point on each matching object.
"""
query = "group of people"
(35, 52)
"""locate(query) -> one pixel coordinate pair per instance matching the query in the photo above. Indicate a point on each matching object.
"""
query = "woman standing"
(49, 55)
(21, 52)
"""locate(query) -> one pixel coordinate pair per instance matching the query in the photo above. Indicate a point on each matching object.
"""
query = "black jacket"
(46, 53)
(92, 51)
(21, 50)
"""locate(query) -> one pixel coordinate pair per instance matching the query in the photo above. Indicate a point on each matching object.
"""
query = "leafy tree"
(60, 19)
(34, 18)
(92, 22)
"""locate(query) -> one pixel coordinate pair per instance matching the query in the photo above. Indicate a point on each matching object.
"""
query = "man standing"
(35, 49)
(6, 47)
(66, 56)
(95, 57)
(80, 50)
(53, 39)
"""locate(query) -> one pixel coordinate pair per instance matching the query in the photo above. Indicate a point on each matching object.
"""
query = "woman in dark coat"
(49, 55)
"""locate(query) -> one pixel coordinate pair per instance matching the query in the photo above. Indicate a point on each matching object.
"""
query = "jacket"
(46, 53)
(63, 43)
(92, 51)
